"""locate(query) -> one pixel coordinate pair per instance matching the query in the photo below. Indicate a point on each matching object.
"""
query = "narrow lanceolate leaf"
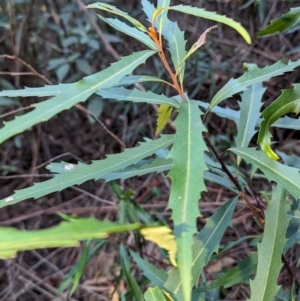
(135, 95)
(250, 107)
(154, 294)
(187, 184)
(176, 46)
(287, 102)
(38, 92)
(285, 122)
(112, 9)
(255, 75)
(155, 275)
(127, 273)
(96, 170)
(162, 19)
(206, 242)
(77, 92)
(130, 31)
(238, 274)
(285, 22)
(199, 12)
(66, 234)
(56, 89)
(264, 287)
(174, 37)
(163, 116)
(286, 176)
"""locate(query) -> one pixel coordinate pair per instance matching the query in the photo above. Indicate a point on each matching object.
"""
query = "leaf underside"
(253, 76)
(96, 170)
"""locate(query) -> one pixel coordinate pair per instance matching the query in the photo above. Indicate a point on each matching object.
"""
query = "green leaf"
(77, 92)
(250, 107)
(112, 9)
(236, 275)
(38, 92)
(187, 184)
(80, 268)
(286, 176)
(54, 90)
(264, 287)
(155, 275)
(285, 122)
(173, 35)
(162, 19)
(253, 76)
(154, 294)
(199, 12)
(96, 170)
(287, 102)
(130, 31)
(164, 113)
(286, 21)
(126, 270)
(135, 95)
(206, 242)
(66, 234)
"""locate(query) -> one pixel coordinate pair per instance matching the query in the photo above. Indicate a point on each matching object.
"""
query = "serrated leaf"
(130, 31)
(286, 176)
(206, 242)
(164, 238)
(264, 287)
(238, 274)
(38, 92)
(154, 294)
(286, 21)
(174, 37)
(56, 89)
(163, 116)
(163, 16)
(285, 122)
(77, 92)
(199, 12)
(66, 234)
(250, 107)
(112, 9)
(140, 169)
(126, 270)
(287, 102)
(187, 184)
(155, 275)
(253, 76)
(135, 95)
(96, 170)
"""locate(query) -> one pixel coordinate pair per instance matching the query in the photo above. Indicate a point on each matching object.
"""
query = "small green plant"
(187, 162)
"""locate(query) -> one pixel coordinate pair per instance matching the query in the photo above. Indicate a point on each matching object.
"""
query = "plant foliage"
(183, 154)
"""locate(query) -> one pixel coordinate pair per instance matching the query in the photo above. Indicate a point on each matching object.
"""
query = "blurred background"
(63, 42)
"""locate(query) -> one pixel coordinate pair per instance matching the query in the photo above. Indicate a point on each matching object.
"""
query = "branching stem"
(175, 85)
(255, 211)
